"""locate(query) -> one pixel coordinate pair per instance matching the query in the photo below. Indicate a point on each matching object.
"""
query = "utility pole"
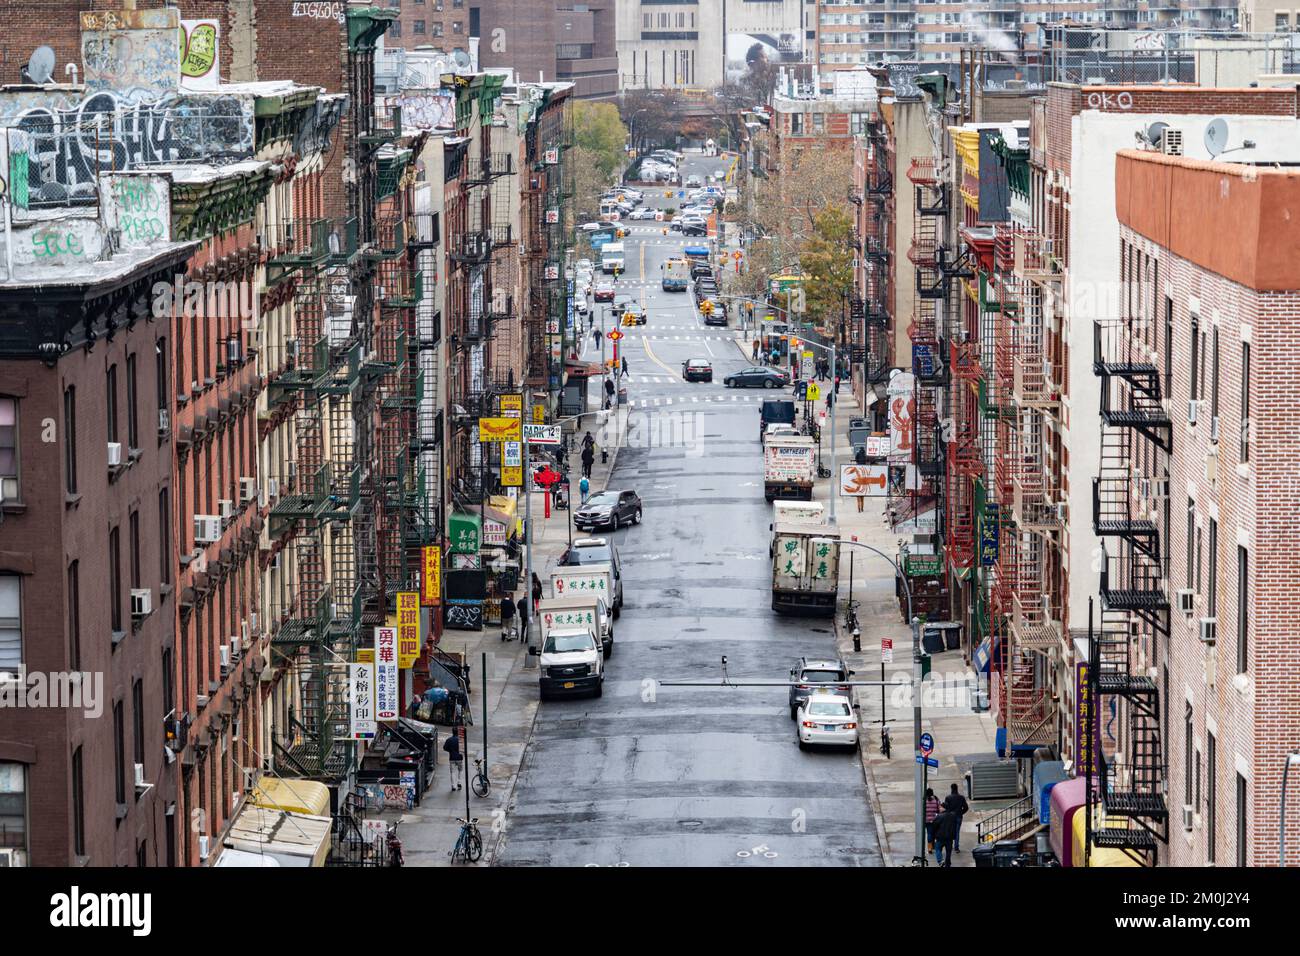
(529, 657)
(919, 780)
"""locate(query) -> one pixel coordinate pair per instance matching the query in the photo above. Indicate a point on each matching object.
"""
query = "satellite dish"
(1155, 132)
(462, 59)
(1216, 136)
(41, 66)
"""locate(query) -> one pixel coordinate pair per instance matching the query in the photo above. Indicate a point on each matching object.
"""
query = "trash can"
(1006, 852)
(622, 396)
(983, 855)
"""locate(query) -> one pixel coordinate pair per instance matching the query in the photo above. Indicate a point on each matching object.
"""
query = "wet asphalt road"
(664, 776)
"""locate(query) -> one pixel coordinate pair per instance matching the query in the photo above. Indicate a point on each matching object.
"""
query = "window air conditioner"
(207, 529)
(247, 490)
(164, 421)
(1209, 629)
(141, 602)
(1191, 411)
(114, 454)
(1186, 600)
(227, 508)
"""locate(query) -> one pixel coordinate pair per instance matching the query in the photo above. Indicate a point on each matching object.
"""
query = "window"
(8, 449)
(137, 721)
(160, 362)
(11, 624)
(1211, 811)
(1212, 607)
(70, 438)
(74, 615)
(115, 578)
(1245, 402)
(1243, 610)
(1169, 346)
(119, 754)
(112, 403)
(168, 691)
(1282, 22)
(1242, 806)
(1187, 755)
(78, 805)
(458, 27)
(1214, 374)
(134, 544)
(1191, 542)
(1194, 392)
(132, 431)
(396, 29)
(437, 28)
(13, 806)
(164, 537)
(419, 26)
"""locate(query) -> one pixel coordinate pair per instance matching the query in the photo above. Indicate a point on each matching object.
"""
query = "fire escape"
(1133, 816)
(533, 254)
(870, 311)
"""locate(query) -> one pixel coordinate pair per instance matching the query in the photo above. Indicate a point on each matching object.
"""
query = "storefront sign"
(542, 434)
(511, 405)
(1085, 709)
(989, 532)
(512, 453)
(512, 476)
(498, 429)
(863, 481)
(408, 628)
(386, 674)
(494, 533)
(922, 565)
(539, 413)
(431, 578)
(877, 446)
(463, 530)
(902, 414)
(466, 562)
(361, 697)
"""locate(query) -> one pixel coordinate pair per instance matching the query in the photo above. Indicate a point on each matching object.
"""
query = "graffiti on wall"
(139, 207)
(200, 54)
(72, 138)
(426, 109)
(131, 48)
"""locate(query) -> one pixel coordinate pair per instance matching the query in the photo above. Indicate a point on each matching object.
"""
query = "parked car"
(716, 316)
(588, 551)
(826, 719)
(697, 370)
(584, 265)
(608, 509)
(604, 292)
(594, 226)
(694, 182)
(814, 673)
(645, 212)
(757, 377)
(695, 227)
(580, 305)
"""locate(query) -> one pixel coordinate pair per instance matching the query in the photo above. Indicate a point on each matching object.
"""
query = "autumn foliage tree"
(827, 261)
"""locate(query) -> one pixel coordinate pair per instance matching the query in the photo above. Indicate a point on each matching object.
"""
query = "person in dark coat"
(956, 803)
(609, 392)
(522, 607)
(945, 827)
(454, 757)
(588, 459)
(537, 592)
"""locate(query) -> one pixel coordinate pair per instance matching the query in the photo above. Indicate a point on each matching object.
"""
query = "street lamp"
(1292, 759)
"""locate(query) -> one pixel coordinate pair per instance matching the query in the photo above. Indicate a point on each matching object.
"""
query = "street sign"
(814, 392)
(927, 744)
(512, 476)
(928, 761)
(498, 429)
(886, 650)
(542, 434)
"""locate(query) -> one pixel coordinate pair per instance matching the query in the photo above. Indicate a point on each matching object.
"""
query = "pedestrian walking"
(776, 356)
(588, 440)
(595, 333)
(625, 365)
(609, 392)
(830, 398)
(588, 458)
(507, 617)
(754, 350)
(584, 488)
(537, 592)
(522, 607)
(454, 757)
(956, 803)
(932, 809)
(945, 827)
(837, 384)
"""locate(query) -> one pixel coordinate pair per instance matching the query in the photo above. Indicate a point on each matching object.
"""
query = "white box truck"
(789, 464)
(591, 580)
(571, 663)
(805, 567)
(578, 611)
(611, 258)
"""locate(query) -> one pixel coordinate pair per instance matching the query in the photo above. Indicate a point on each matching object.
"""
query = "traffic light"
(706, 308)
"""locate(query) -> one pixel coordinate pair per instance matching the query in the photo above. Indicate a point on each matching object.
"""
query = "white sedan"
(645, 212)
(827, 719)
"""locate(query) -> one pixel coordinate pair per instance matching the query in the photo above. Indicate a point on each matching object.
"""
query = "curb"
(869, 778)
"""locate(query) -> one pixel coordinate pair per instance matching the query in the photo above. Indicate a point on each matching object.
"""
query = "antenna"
(40, 68)
(1155, 133)
(1216, 136)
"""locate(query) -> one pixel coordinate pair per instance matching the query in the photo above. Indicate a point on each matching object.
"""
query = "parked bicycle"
(469, 844)
(394, 845)
(851, 615)
(480, 784)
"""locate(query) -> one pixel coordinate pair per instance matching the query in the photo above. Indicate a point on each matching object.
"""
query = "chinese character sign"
(386, 674)
(1085, 710)
(790, 558)
(361, 700)
(989, 535)
(408, 628)
(431, 576)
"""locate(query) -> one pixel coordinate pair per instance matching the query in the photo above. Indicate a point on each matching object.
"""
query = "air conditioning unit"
(200, 702)
(235, 649)
(252, 624)
(1212, 466)
(164, 421)
(244, 633)
(199, 564)
(247, 490)
(1186, 600)
(141, 602)
(1191, 411)
(203, 847)
(114, 454)
(225, 659)
(227, 508)
(1062, 509)
(139, 775)
(207, 529)
(1209, 629)
(291, 348)
(232, 350)
(273, 489)
(1187, 817)
(1214, 428)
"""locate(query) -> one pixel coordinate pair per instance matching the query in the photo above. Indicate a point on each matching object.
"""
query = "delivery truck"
(774, 411)
(676, 274)
(805, 568)
(571, 663)
(789, 464)
(579, 610)
(591, 580)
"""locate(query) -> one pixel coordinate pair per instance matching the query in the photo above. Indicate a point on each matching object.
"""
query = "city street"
(652, 775)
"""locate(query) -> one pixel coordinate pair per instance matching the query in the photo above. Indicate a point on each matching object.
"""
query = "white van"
(611, 257)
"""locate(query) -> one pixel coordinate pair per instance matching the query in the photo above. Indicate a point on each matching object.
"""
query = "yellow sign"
(512, 476)
(814, 392)
(499, 429)
(408, 628)
(365, 655)
(431, 576)
(539, 414)
(512, 406)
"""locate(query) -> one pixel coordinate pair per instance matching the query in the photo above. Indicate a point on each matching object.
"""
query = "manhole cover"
(690, 824)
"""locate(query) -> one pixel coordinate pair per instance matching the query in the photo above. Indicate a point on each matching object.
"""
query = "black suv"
(811, 673)
(609, 509)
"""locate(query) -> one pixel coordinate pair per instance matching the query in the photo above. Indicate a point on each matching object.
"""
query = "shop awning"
(296, 796)
(583, 369)
(293, 839)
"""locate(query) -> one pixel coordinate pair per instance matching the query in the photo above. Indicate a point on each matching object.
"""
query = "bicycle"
(469, 844)
(851, 615)
(394, 847)
(480, 784)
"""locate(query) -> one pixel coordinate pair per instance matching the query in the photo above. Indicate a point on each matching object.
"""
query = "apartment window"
(119, 754)
(78, 805)
(396, 29)
(137, 721)
(457, 4)
(115, 578)
(13, 805)
(819, 123)
(11, 624)
(160, 370)
(1282, 22)
(1243, 610)
(419, 26)
(458, 27)
(1169, 346)
(74, 615)
(1187, 755)
(112, 403)
(1245, 402)
(195, 343)
(437, 29)
(132, 431)
(70, 438)
(1194, 392)
(1213, 583)
(1191, 542)
(1212, 794)
(134, 543)
(1214, 374)
(8, 449)
(1242, 806)
(164, 537)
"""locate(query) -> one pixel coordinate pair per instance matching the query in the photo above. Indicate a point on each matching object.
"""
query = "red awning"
(583, 369)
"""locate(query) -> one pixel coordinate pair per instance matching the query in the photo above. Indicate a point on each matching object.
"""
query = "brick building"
(1212, 306)
(548, 41)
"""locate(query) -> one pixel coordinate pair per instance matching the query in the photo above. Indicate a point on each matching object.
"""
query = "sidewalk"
(429, 831)
(961, 735)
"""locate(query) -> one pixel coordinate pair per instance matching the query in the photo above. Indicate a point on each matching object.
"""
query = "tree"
(827, 261)
(759, 262)
(653, 115)
(599, 156)
(786, 206)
